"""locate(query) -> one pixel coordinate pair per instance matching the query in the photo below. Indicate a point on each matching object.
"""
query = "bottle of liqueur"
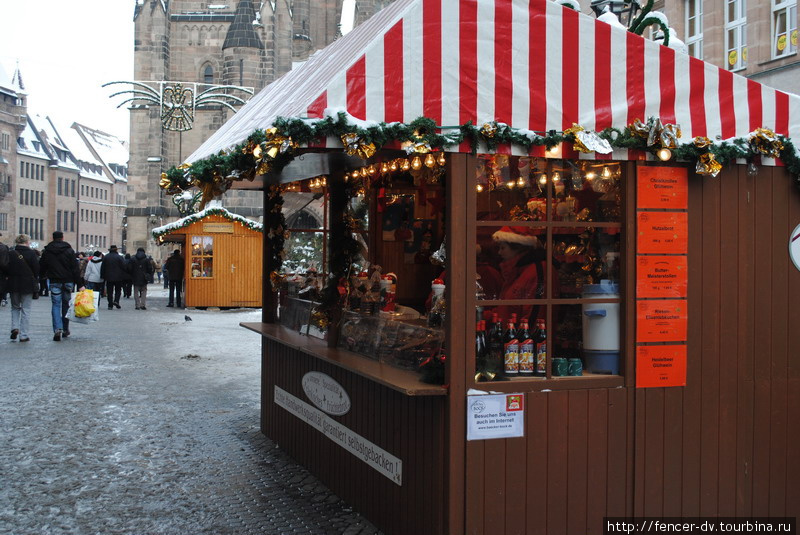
(540, 350)
(511, 351)
(480, 347)
(526, 348)
(496, 349)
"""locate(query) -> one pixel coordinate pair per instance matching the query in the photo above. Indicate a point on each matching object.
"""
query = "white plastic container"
(601, 320)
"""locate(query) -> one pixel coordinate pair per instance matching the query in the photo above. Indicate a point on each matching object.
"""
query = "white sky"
(66, 50)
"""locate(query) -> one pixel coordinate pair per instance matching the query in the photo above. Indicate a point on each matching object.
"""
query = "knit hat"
(519, 235)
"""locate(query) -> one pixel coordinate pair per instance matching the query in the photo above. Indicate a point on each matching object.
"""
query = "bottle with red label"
(540, 349)
(526, 349)
(511, 351)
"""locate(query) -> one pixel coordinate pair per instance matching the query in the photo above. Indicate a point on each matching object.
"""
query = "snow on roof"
(112, 151)
(28, 143)
(210, 210)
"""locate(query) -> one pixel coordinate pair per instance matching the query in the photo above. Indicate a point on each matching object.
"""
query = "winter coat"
(59, 264)
(113, 268)
(93, 267)
(22, 274)
(175, 267)
(141, 269)
(523, 278)
(128, 269)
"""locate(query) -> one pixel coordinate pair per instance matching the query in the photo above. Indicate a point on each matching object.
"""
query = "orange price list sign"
(660, 366)
(662, 320)
(662, 233)
(662, 276)
(662, 187)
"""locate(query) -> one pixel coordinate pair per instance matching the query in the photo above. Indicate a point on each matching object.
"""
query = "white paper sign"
(794, 246)
(495, 416)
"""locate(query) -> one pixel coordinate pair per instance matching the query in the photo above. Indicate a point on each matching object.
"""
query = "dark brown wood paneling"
(409, 427)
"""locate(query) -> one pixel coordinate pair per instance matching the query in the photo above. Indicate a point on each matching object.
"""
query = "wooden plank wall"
(727, 443)
(411, 428)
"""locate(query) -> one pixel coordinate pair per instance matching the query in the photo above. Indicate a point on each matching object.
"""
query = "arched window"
(208, 75)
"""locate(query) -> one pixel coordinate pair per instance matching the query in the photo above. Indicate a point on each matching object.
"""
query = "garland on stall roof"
(270, 150)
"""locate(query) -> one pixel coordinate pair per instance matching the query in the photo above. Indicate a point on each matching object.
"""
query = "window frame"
(202, 256)
(786, 7)
(695, 40)
(737, 26)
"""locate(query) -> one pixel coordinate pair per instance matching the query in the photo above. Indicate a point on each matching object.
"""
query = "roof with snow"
(29, 143)
(532, 64)
(110, 150)
(215, 209)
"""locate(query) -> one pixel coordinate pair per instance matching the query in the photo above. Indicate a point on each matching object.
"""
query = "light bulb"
(406, 166)
(543, 179)
(664, 154)
(606, 172)
(510, 184)
(363, 171)
(416, 163)
(393, 167)
(442, 159)
(590, 175)
(520, 182)
(384, 168)
(556, 177)
(554, 151)
(479, 188)
(430, 161)
(371, 170)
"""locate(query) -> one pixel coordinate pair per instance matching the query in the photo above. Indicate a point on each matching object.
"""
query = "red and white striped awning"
(532, 64)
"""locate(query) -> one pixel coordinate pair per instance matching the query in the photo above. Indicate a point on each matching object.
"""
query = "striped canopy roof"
(532, 64)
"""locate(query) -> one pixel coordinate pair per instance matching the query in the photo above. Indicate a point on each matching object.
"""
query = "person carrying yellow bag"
(84, 304)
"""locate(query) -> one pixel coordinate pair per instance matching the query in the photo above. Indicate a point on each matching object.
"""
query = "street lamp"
(625, 10)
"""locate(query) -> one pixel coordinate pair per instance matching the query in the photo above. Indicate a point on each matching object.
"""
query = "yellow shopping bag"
(84, 304)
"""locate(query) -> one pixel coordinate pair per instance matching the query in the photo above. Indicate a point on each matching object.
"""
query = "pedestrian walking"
(94, 281)
(127, 283)
(44, 285)
(141, 271)
(174, 265)
(114, 272)
(60, 266)
(165, 273)
(4, 259)
(22, 283)
(153, 269)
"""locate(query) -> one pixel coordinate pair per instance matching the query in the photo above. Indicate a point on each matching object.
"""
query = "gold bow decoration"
(354, 145)
(419, 147)
(586, 141)
(269, 149)
(701, 142)
(168, 185)
(708, 165)
(485, 375)
(212, 189)
(766, 142)
(489, 130)
(276, 279)
(656, 133)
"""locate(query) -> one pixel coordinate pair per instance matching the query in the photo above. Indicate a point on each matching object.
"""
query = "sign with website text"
(213, 227)
(662, 233)
(662, 276)
(662, 320)
(495, 416)
(660, 366)
(662, 187)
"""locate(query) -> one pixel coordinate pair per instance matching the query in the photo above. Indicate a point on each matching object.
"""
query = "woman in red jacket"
(522, 268)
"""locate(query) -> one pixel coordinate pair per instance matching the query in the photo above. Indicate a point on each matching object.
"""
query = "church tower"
(243, 50)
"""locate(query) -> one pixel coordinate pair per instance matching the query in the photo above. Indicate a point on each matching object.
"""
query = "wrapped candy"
(708, 165)
(586, 141)
(656, 133)
(489, 129)
(701, 142)
(766, 142)
(354, 145)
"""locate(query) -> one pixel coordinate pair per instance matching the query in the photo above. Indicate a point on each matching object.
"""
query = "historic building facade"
(198, 44)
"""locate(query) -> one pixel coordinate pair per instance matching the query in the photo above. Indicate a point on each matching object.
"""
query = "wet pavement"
(145, 423)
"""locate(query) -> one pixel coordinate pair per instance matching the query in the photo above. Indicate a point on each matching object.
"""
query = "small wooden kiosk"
(222, 252)
(700, 417)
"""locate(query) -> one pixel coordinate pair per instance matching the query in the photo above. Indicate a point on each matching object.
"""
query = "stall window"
(694, 28)
(548, 241)
(736, 34)
(784, 28)
(202, 257)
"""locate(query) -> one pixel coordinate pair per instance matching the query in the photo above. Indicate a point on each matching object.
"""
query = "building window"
(60, 180)
(784, 28)
(3, 221)
(65, 227)
(736, 34)
(208, 75)
(202, 256)
(694, 28)
(73, 188)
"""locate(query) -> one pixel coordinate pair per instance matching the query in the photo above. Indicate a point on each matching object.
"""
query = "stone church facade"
(244, 43)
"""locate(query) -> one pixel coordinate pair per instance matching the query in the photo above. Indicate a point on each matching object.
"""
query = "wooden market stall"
(222, 255)
(683, 403)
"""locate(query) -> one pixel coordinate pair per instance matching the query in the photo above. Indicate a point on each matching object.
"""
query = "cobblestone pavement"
(145, 423)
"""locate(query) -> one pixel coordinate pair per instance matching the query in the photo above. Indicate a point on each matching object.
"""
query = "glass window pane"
(303, 252)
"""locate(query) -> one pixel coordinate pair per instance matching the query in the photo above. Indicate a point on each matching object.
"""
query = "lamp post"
(625, 10)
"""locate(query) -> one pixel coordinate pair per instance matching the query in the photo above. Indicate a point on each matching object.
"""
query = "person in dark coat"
(60, 265)
(22, 278)
(141, 273)
(4, 257)
(114, 271)
(175, 269)
(127, 284)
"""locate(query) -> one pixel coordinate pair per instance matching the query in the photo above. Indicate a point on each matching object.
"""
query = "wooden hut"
(222, 254)
(699, 418)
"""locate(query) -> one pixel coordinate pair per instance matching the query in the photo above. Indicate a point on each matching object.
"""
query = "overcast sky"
(66, 51)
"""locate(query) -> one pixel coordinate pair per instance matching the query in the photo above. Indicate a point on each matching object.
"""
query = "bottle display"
(540, 348)
(496, 350)
(526, 350)
(511, 351)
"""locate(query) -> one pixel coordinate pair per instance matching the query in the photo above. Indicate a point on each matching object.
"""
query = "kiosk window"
(202, 257)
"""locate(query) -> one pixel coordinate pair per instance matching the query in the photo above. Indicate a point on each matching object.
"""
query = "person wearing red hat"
(522, 267)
